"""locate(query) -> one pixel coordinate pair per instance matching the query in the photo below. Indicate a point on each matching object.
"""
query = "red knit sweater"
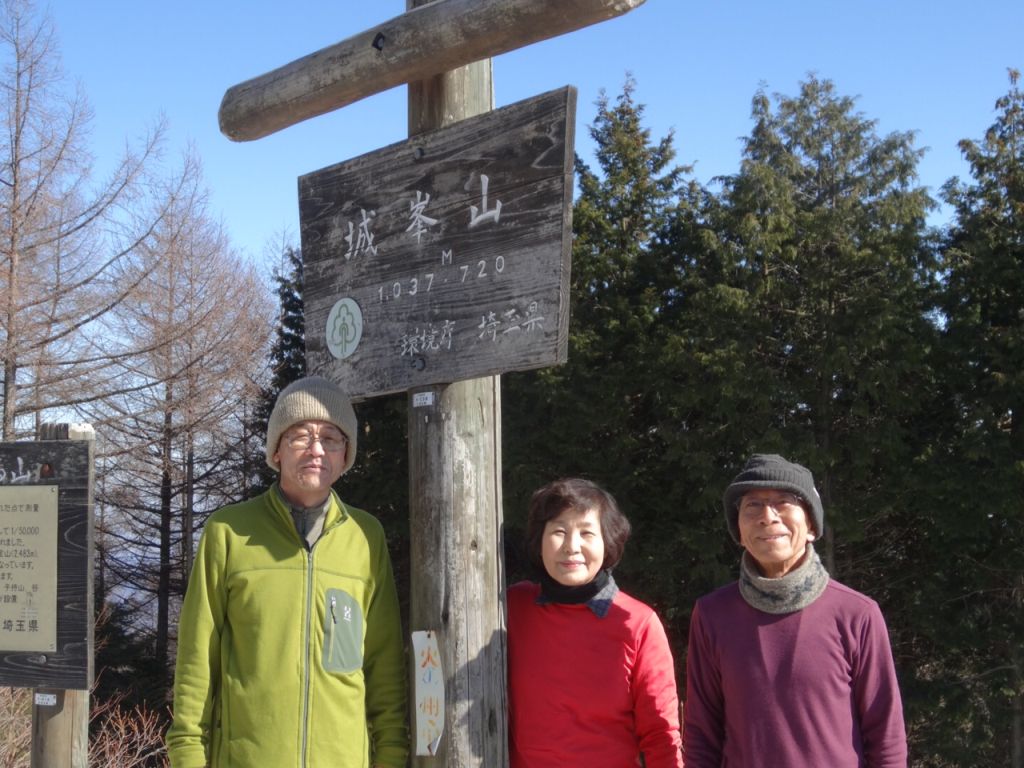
(589, 691)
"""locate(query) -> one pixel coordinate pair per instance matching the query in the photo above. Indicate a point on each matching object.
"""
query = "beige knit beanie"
(313, 398)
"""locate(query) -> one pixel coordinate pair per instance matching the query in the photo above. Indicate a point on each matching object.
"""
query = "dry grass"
(15, 727)
(121, 737)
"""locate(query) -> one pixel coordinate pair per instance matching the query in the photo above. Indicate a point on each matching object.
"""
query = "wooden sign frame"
(67, 464)
(443, 257)
(414, 46)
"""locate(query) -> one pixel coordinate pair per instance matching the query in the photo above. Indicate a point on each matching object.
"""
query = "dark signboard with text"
(46, 622)
(443, 257)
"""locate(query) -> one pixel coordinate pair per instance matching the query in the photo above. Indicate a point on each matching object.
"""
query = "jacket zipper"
(330, 630)
(308, 664)
(306, 674)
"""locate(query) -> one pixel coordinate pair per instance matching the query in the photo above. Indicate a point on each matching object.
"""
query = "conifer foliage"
(802, 306)
(974, 602)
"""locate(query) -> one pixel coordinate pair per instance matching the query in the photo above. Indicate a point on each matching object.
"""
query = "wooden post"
(60, 731)
(458, 578)
(60, 718)
(455, 507)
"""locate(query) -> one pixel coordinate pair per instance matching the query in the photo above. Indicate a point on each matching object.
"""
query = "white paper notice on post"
(429, 692)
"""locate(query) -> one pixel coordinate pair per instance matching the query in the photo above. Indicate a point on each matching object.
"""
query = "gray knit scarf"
(792, 592)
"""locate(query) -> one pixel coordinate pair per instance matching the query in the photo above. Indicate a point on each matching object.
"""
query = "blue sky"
(935, 67)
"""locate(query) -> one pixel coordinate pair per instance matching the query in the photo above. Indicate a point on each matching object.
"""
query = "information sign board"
(28, 568)
(46, 598)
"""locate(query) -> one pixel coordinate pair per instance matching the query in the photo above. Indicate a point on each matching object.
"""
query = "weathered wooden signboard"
(45, 564)
(443, 257)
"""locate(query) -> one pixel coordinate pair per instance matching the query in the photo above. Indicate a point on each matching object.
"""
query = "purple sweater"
(813, 688)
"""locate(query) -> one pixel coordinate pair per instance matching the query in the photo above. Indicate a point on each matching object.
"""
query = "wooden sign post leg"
(455, 508)
(60, 731)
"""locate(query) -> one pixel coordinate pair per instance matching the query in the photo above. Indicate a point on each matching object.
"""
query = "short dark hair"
(579, 495)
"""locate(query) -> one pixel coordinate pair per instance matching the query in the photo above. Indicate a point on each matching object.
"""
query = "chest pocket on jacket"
(343, 632)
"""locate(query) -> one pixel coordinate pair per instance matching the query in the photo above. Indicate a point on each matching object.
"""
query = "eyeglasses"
(304, 441)
(786, 502)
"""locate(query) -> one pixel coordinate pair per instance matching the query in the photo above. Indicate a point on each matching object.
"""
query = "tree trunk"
(163, 591)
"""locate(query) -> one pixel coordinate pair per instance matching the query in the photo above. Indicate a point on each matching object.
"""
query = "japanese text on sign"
(429, 691)
(444, 257)
(28, 568)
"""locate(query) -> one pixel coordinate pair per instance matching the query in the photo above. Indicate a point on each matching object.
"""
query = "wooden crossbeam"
(422, 42)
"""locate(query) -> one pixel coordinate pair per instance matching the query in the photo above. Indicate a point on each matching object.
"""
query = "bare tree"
(172, 434)
(126, 737)
(123, 736)
(68, 247)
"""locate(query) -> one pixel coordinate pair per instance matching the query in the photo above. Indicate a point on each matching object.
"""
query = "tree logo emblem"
(344, 328)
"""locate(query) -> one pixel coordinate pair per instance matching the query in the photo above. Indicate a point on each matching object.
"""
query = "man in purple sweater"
(787, 668)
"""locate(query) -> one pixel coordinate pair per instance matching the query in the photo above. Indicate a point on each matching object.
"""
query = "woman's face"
(572, 548)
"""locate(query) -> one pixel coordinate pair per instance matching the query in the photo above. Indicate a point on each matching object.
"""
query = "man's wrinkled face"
(311, 455)
(774, 529)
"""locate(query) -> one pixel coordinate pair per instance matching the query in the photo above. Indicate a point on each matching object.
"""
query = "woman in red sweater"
(591, 679)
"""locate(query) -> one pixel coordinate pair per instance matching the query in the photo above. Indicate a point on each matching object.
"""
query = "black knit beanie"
(769, 470)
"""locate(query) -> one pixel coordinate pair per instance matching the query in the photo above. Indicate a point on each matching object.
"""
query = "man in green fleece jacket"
(290, 650)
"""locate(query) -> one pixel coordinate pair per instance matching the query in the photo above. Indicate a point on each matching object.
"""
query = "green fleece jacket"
(288, 657)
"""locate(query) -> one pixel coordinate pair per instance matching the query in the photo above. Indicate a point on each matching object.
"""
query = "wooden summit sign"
(443, 257)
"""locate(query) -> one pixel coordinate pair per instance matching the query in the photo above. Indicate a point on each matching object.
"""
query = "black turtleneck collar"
(597, 594)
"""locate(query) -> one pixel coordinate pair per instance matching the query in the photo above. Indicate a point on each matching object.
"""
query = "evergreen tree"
(822, 230)
(603, 414)
(976, 491)
(379, 480)
(287, 359)
(289, 351)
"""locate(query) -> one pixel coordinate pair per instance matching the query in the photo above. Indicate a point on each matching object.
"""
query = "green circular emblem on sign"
(344, 328)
